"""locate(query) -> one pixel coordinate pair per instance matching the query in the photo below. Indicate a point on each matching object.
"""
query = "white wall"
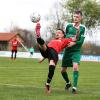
(38, 55)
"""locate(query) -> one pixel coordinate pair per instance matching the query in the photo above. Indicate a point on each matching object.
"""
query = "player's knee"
(52, 62)
(63, 70)
(75, 67)
(40, 41)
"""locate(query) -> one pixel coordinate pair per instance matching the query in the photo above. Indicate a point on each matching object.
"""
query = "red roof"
(7, 36)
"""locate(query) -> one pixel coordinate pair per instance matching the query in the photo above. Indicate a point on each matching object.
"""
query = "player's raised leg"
(40, 41)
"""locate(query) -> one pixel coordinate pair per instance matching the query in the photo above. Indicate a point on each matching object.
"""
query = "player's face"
(77, 18)
(59, 34)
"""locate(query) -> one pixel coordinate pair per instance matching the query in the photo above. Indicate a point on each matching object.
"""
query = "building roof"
(7, 36)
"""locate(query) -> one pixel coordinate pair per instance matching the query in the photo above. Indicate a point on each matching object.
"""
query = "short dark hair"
(62, 31)
(78, 12)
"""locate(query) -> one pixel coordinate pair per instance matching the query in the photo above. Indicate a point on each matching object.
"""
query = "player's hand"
(71, 44)
(74, 39)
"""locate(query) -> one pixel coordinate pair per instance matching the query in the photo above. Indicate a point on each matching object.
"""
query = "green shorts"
(70, 57)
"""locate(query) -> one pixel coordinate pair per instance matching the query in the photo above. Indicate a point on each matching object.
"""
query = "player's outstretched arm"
(41, 60)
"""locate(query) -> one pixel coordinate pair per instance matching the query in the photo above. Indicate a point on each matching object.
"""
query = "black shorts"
(50, 53)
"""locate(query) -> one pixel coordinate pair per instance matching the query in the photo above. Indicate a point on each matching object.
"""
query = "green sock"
(75, 78)
(65, 76)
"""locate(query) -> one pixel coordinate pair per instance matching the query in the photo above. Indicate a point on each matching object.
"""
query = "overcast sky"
(17, 12)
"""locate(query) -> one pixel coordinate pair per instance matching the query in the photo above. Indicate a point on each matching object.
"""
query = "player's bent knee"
(63, 70)
(52, 62)
(75, 68)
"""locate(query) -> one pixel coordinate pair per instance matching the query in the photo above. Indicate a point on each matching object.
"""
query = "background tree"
(55, 18)
(90, 9)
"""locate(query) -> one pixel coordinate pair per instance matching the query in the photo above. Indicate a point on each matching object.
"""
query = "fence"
(38, 55)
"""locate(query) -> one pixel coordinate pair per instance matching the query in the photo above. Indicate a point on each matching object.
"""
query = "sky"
(17, 12)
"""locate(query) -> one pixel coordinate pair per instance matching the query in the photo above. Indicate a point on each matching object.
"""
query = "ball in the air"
(35, 17)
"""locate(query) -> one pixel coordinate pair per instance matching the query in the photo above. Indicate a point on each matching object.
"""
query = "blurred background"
(15, 19)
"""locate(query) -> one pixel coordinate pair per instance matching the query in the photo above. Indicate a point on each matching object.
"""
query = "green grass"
(23, 79)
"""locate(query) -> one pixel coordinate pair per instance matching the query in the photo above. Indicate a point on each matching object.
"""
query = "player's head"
(77, 17)
(59, 33)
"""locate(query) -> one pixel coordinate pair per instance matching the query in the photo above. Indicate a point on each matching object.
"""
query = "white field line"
(30, 86)
(57, 89)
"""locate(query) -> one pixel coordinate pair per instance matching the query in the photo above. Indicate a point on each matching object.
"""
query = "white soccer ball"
(35, 17)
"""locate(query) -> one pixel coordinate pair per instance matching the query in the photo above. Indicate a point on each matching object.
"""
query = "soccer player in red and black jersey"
(51, 51)
(14, 45)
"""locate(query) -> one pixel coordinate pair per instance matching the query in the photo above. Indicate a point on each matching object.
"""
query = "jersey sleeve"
(82, 37)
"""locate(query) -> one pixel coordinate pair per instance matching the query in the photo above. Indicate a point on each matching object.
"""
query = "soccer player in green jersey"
(71, 57)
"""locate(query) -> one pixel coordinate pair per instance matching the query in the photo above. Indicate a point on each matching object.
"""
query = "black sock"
(12, 55)
(65, 76)
(40, 41)
(15, 55)
(51, 73)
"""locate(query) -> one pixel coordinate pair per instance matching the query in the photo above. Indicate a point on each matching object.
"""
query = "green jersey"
(71, 31)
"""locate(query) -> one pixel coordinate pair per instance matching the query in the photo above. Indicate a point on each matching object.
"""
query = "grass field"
(23, 79)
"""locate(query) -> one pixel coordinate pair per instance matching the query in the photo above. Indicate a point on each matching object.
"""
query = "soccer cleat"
(74, 90)
(68, 85)
(47, 88)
